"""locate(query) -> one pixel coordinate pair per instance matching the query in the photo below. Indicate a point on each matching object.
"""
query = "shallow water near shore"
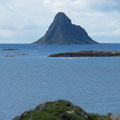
(34, 78)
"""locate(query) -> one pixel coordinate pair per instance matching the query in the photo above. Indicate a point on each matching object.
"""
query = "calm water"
(26, 81)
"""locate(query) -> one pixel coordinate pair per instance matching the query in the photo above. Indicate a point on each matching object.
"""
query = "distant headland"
(62, 31)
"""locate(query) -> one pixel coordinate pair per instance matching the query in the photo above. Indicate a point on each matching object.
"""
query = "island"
(61, 110)
(62, 32)
(87, 54)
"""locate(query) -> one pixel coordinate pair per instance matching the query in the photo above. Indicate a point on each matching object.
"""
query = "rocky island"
(88, 54)
(62, 31)
(60, 110)
(10, 49)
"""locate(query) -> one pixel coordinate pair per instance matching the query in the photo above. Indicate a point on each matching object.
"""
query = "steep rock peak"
(61, 18)
(62, 31)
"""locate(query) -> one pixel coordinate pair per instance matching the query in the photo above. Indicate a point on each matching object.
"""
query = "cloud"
(28, 19)
(4, 33)
(112, 33)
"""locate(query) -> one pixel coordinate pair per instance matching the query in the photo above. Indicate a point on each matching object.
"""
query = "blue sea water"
(27, 81)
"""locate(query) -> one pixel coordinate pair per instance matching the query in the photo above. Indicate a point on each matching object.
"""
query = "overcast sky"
(25, 21)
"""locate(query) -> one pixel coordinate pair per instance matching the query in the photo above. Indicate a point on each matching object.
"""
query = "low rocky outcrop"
(59, 110)
(23, 54)
(88, 54)
(11, 49)
(9, 55)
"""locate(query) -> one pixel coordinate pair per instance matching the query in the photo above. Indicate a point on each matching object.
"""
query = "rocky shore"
(88, 54)
(61, 110)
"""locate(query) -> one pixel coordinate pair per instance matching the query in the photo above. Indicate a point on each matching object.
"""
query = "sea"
(29, 80)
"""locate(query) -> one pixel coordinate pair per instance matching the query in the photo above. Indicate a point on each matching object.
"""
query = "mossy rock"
(99, 117)
(59, 110)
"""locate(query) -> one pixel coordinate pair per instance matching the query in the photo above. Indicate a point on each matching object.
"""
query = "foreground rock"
(87, 54)
(115, 117)
(62, 31)
(59, 110)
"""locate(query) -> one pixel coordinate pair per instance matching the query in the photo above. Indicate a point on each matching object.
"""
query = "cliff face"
(62, 31)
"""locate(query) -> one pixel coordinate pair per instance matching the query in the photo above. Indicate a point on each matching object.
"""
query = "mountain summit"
(62, 31)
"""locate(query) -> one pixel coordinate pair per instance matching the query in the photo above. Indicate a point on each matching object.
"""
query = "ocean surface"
(26, 81)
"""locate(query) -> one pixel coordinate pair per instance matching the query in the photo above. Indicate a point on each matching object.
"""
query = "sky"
(25, 21)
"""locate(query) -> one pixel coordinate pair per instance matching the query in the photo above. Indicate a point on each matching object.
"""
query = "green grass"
(99, 117)
(40, 116)
(59, 106)
(76, 117)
